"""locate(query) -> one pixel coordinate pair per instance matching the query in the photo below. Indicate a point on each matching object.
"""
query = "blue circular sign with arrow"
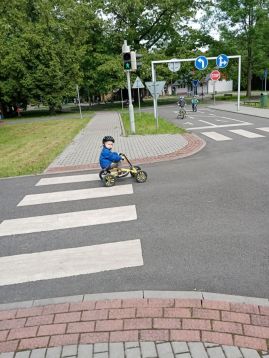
(201, 63)
(222, 61)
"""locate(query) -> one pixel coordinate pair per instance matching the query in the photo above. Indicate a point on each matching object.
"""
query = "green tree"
(242, 25)
(42, 46)
(148, 24)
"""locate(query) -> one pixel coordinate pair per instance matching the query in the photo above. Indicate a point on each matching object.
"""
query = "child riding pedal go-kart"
(110, 163)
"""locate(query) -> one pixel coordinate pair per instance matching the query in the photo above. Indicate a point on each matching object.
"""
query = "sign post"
(155, 89)
(195, 84)
(215, 76)
(138, 84)
(202, 64)
(126, 50)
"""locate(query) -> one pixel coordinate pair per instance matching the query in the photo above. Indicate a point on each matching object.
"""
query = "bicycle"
(181, 113)
(194, 107)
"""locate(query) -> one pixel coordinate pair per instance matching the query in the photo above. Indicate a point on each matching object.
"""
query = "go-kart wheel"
(103, 173)
(137, 168)
(109, 180)
(141, 176)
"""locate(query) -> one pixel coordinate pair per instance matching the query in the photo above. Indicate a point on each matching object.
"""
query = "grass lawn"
(146, 124)
(28, 148)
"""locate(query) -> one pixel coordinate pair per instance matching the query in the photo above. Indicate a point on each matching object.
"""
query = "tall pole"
(139, 102)
(153, 74)
(79, 103)
(265, 83)
(131, 108)
(239, 83)
(214, 90)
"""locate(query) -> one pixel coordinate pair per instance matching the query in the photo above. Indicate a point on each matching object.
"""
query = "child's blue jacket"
(107, 157)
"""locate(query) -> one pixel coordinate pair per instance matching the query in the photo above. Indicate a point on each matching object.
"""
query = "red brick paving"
(219, 322)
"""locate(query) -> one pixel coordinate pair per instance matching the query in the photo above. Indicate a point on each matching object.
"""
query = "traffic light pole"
(131, 107)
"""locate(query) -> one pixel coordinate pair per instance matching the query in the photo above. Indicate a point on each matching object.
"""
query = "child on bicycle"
(109, 159)
(181, 102)
(194, 103)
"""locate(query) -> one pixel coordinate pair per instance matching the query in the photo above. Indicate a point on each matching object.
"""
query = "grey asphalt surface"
(202, 221)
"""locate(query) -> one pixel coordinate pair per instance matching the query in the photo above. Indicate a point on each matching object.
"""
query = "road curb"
(188, 316)
(193, 146)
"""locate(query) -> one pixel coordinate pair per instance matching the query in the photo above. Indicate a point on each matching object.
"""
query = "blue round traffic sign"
(201, 63)
(222, 61)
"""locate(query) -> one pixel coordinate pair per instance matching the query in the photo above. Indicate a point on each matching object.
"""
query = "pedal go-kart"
(109, 176)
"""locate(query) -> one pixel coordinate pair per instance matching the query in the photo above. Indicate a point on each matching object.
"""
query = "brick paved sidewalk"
(83, 152)
(83, 320)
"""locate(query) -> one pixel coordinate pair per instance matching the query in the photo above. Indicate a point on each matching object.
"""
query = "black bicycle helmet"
(108, 138)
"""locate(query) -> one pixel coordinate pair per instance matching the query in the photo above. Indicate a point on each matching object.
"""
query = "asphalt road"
(202, 221)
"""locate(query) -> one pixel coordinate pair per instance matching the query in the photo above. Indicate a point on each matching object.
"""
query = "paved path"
(232, 107)
(84, 151)
(144, 324)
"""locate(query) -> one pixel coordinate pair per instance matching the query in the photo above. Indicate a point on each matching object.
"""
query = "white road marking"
(70, 262)
(221, 120)
(70, 195)
(265, 129)
(222, 126)
(216, 136)
(191, 124)
(246, 134)
(200, 112)
(67, 220)
(68, 179)
(191, 117)
(235, 120)
(212, 124)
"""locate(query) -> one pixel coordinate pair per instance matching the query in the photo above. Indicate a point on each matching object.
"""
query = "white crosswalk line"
(222, 126)
(70, 262)
(68, 179)
(71, 195)
(67, 220)
(246, 134)
(265, 129)
(216, 136)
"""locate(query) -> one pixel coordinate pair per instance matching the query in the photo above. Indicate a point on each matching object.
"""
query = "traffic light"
(138, 60)
(133, 60)
(127, 63)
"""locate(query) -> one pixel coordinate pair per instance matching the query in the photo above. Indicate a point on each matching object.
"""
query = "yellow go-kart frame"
(109, 176)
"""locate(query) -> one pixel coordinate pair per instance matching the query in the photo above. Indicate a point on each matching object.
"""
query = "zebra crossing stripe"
(67, 220)
(70, 195)
(246, 134)
(68, 179)
(216, 136)
(265, 129)
(69, 262)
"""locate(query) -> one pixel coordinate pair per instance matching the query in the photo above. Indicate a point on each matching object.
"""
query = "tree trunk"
(52, 109)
